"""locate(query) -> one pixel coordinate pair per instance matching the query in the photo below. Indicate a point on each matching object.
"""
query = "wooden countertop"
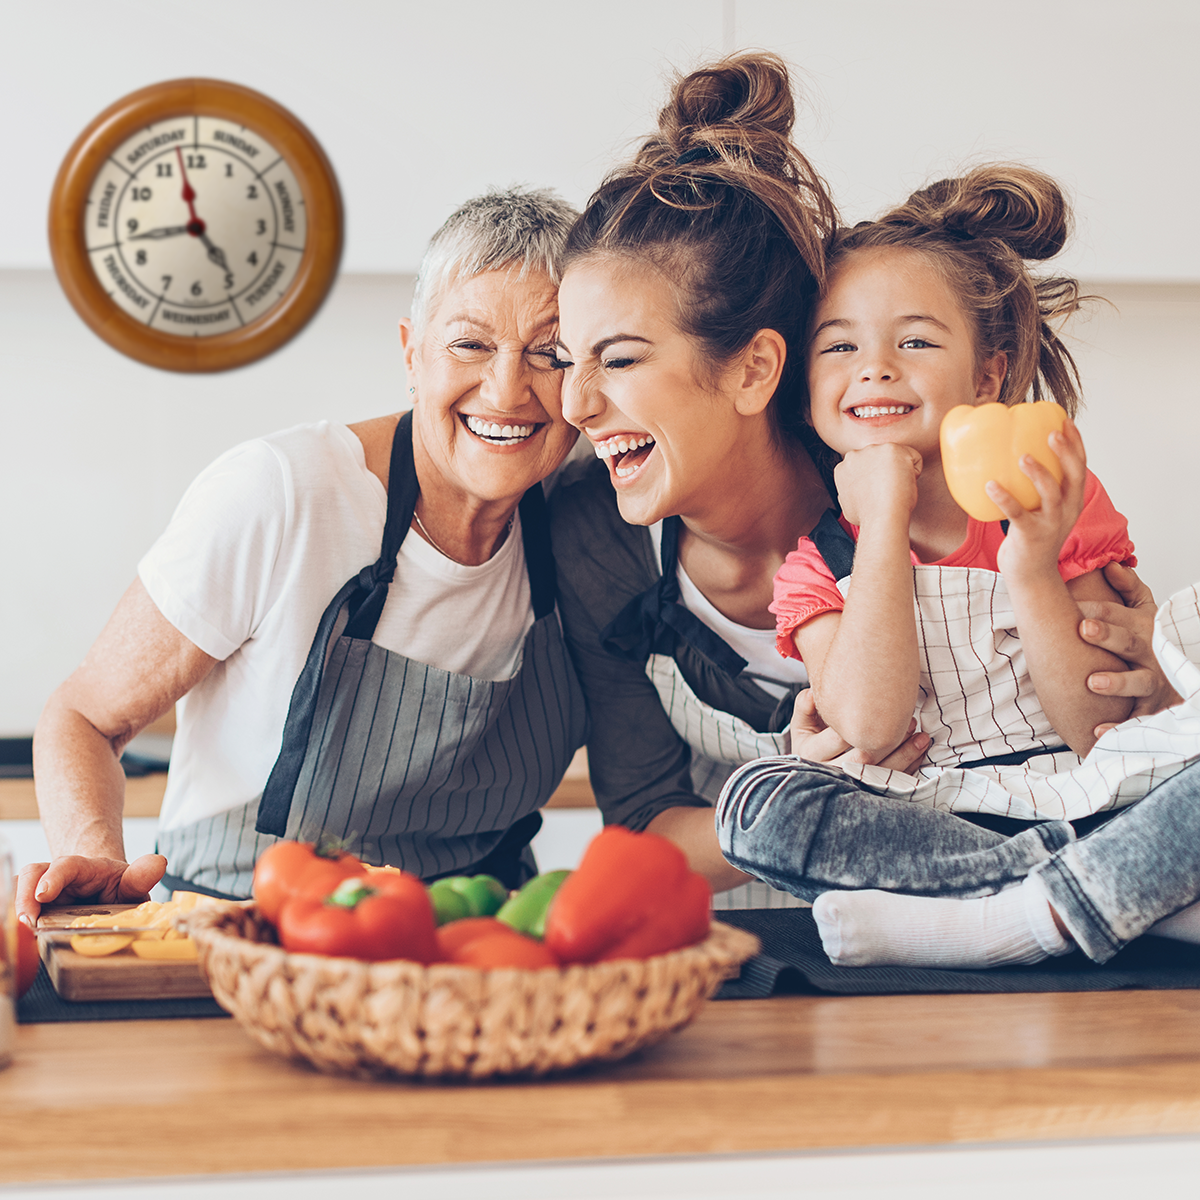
(164, 1098)
(143, 794)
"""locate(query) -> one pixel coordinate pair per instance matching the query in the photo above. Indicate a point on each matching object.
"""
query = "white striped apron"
(719, 741)
(994, 749)
(409, 765)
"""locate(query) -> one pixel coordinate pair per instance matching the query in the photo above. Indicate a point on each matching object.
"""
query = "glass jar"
(8, 955)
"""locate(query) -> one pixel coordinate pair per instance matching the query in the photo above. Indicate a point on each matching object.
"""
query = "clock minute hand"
(165, 231)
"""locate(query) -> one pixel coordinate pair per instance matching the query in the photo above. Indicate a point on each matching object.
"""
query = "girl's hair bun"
(983, 228)
(1014, 204)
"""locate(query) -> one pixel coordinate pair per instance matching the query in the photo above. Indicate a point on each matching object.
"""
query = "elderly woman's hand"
(1127, 630)
(86, 880)
(814, 740)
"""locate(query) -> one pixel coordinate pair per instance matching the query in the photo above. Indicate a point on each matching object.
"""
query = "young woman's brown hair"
(724, 204)
(980, 229)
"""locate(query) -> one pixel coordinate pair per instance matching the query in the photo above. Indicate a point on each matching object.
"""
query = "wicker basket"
(403, 1018)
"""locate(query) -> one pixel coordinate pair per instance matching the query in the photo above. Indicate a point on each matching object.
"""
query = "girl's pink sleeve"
(1100, 536)
(804, 588)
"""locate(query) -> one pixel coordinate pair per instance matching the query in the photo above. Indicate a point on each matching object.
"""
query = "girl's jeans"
(808, 828)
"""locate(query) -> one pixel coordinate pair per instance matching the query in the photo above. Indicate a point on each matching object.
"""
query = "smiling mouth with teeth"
(626, 449)
(865, 411)
(498, 435)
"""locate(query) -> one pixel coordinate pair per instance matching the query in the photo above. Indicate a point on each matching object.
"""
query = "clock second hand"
(196, 227)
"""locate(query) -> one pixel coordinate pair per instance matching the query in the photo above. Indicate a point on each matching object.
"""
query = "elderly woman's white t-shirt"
(259, 545)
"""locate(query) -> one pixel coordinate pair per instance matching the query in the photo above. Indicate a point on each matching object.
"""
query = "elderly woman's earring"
(412, 391)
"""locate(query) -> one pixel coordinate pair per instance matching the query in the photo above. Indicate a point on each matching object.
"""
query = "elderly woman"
(685, 304)
(358, 622)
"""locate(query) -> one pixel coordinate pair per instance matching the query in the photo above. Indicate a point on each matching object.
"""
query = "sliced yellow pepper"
(98, 947)
(987, 441)
(179, 950)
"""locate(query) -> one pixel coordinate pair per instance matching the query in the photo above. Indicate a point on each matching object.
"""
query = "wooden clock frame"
(166, 101)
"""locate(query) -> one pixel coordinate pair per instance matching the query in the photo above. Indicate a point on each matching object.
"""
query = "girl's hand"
(1035, 539)
(812, 739)
(879, 479)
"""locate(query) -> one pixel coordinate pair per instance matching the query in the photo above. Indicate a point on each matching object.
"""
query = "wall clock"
(196, 225)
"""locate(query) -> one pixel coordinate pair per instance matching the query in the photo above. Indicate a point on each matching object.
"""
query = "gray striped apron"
(409, 765)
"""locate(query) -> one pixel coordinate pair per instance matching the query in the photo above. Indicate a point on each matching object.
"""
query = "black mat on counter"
(792, 962)
(43, 1003)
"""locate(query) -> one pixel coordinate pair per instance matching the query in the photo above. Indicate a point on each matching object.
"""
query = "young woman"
(684, 310)
(684, 316)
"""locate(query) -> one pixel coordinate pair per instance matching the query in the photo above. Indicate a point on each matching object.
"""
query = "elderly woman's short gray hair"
(518, 227)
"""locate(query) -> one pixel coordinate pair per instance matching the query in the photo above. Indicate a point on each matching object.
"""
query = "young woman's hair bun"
(739, 107)
(722, 203)
(1016, 205)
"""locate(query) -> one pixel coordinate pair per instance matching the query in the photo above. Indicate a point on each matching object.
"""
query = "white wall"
(420, 105)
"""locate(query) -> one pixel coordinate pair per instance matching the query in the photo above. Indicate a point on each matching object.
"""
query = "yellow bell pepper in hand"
(987, 441)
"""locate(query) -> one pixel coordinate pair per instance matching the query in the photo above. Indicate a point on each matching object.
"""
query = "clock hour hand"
(215, 253)
(165, 231)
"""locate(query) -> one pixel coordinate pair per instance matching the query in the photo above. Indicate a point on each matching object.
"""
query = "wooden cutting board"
(121, 976)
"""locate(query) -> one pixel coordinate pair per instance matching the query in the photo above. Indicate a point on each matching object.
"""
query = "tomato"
(986, 441)
(290, 869)
(373, 917)
(496, 950)
(454, 936)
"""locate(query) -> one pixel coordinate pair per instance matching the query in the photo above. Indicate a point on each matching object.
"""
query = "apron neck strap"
(656, 621)
(539, 559)
(403, 490)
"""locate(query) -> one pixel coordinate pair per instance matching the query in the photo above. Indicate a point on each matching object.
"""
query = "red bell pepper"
(374, 917)
(633, 895)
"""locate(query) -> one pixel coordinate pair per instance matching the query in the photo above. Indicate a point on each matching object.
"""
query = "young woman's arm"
(1127, 630)
(1048, 615)
(864, 662)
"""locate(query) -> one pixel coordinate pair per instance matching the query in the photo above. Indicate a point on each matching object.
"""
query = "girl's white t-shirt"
(261, 542)
(772, 672)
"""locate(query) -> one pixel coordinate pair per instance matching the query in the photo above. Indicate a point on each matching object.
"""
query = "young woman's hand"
(1127, 630)
(814, 740)
(879, 479)
(1035, 539)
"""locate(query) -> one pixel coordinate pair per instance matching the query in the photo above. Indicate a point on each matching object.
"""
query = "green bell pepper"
(526, 911)
(462, 896)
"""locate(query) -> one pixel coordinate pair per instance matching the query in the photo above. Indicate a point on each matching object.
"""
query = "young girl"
(929, 308)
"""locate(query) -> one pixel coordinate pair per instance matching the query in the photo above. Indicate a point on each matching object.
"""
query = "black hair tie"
(704, 154)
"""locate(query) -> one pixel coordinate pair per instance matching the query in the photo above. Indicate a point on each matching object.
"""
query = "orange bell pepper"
(633, 895)
(986, 441)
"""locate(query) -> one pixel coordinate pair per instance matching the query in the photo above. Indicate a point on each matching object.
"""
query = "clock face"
(195, 226)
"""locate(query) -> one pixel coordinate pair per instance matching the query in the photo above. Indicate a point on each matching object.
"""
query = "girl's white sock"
(1183, 926)
(876, 929)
